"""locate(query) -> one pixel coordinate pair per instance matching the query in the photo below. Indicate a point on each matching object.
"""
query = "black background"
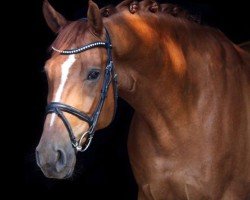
(103, 172)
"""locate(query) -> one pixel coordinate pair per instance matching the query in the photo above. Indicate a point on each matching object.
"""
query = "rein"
(109, 76)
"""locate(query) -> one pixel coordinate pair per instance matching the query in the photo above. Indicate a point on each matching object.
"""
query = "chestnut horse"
(188, 84)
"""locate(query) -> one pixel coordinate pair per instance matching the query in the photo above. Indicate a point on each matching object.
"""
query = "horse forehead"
(57, 63)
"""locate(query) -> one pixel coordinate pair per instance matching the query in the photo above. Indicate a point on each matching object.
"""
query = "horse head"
(81, 94)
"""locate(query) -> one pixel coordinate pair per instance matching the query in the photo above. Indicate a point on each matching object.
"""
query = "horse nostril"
(37, 158)
(61, 160)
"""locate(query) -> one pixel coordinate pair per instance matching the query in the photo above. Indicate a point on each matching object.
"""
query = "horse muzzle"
(56, 162)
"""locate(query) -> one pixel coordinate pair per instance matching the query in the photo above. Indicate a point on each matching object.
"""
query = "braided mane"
(151, 6)
(74, 32)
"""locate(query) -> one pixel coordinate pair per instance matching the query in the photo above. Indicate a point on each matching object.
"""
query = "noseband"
(60, 108)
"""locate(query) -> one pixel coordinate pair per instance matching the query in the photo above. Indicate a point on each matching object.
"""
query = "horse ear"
(95, 18)
(54, 19)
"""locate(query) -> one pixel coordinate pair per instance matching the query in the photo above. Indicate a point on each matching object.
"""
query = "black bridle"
(109, 76)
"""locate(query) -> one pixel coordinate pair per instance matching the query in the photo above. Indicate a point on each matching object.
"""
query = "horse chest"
(162, 177)
(159, 178)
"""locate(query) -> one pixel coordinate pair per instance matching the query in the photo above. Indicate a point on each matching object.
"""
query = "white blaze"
(64, 76)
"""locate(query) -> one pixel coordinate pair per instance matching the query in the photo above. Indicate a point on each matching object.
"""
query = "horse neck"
(149, 65)
(164, 69)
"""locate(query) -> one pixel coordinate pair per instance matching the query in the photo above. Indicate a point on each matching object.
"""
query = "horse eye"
(93, 75)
